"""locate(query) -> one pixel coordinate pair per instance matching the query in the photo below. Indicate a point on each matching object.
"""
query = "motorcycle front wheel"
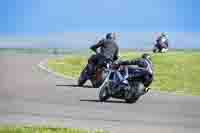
(83, 77)
(104, 93)
(155, 50)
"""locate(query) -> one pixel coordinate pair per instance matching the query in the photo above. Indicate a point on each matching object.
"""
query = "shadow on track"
(86, 86)
(97, 101)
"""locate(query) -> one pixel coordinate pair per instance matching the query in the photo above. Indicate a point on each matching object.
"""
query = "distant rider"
(162, 41)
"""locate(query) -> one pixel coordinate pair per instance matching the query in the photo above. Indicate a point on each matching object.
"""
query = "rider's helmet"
(146, 56)
(163, 34)
(111, 36)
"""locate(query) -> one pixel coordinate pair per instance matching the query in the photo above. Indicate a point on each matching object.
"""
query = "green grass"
(174, 71)
(45, 130)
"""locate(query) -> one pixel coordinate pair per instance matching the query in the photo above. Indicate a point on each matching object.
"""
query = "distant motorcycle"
(97, 77)
(160, 47)
(159, 50)
(130, 90)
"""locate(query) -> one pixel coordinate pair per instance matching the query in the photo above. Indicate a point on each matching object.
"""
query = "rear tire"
(132, 100)
(135, 93)
(81, 82)
(95, 84)
(164, 50)
(98, 83)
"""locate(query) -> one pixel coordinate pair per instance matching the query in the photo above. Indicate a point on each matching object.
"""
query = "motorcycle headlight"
(108, 65)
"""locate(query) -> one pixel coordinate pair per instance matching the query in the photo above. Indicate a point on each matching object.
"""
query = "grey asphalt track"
(31, 96)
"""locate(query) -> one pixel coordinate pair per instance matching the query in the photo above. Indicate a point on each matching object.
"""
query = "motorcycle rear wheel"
(132, 100)
(97, 83)
(133, 93)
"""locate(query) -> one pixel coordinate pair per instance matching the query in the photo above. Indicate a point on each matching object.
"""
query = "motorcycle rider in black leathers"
(108, 53)
(144, 69)
(109, 49)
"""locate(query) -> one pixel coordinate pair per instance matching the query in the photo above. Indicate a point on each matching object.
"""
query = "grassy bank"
(174, 71)
(45, 130)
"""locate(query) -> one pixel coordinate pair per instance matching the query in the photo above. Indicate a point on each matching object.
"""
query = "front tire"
(104, 94)
(83, 77)
(155, 50)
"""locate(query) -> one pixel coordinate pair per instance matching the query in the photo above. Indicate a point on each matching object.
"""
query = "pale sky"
(77, 23)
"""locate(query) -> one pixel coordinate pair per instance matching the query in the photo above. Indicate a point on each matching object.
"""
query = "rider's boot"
(147, 89)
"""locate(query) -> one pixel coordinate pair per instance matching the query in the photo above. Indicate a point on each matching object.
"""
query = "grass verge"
(174, 71)
(45, 130)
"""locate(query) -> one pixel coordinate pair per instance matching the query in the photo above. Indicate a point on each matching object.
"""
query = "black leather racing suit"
(144, 69)
(109, 51)
(160, 45)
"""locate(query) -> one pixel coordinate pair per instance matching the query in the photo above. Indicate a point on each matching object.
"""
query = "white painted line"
(42, 65)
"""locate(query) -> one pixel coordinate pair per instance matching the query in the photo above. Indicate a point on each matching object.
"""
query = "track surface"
(31, 96)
